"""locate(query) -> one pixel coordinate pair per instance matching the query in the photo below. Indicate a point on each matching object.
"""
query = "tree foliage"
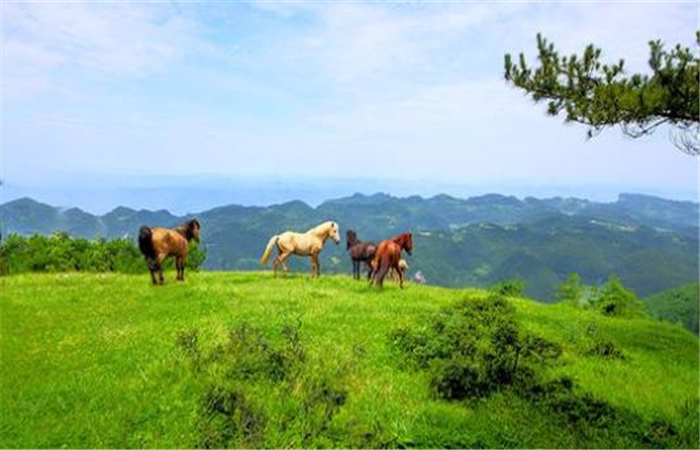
(600, 95)
(613, 299)
(571, 290)
(62, 253)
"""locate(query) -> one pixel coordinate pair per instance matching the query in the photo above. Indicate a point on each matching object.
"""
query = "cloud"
(99, 39)
(621, 29)
(119, 85)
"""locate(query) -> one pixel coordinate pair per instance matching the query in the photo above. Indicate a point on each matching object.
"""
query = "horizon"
(397, 95)
(182, 213)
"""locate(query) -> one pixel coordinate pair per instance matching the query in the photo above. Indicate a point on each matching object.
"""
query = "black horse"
(359, 252)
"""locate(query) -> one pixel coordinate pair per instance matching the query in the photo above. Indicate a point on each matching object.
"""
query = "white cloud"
(318, 79)
(102, 39)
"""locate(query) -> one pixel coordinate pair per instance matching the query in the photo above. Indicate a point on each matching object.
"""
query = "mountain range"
(649, 242)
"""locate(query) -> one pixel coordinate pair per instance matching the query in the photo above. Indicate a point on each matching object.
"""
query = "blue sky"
(102, 94)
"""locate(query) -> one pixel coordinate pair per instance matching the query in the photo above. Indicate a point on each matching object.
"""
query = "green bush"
(302, 397)
(612, 299)
(475, 348)
(571, 290)
(61, 253)
(509, 288)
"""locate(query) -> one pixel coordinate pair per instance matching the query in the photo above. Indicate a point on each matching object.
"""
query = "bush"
(570, 291)
(509, 288)
(229, 416)
(300, 397)
(61, 253)
(605, 349)
(614, 300)
(475, 348)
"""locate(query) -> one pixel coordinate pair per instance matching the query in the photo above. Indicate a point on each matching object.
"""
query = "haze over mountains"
(650, 242)
(100, 193)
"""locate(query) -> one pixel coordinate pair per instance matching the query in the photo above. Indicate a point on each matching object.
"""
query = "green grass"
(91, 360)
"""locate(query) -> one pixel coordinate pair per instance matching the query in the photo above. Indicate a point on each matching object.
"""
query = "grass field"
(107, 360)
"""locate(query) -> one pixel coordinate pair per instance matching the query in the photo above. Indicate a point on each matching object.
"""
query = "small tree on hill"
(600, 96)
(570, 291)
(613, 299)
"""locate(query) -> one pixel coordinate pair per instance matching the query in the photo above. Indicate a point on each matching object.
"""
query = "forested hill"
(650, 242)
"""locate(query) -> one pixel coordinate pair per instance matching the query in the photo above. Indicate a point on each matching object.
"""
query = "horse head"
(351, 238)
(194, 228)
(334, 232)
(406, 242)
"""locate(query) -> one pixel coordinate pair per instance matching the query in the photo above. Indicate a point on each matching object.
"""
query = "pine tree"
(601, 96)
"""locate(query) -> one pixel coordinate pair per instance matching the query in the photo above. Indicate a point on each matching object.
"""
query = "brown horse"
(156, 244)
(389, 256)
(359, 252)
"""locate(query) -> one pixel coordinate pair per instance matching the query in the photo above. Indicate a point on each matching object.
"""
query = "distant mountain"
(651, 243)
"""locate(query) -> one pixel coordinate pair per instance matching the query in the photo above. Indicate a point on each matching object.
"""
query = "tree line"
(60, 252)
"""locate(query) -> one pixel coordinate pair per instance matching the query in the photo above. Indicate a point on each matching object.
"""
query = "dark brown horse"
(156, 244)
(360, 252)
(388, 256)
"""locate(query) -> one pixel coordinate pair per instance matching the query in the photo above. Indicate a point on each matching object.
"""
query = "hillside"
(244, 360)
(650, 243)
(678, 305)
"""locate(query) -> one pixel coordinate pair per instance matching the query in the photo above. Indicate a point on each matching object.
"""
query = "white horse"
(303, 244)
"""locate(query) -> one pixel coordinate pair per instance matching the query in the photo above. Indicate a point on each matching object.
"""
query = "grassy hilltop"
(244, 360)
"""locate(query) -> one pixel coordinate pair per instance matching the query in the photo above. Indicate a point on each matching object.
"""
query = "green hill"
(245, 360)
(678, 305)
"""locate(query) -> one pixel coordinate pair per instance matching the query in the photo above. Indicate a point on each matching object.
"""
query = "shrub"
(61, 253)
(614, 300)
(570, 291)
(605, 349)
(232, 374)
(229, 417)
(509, 288)
(457, 378)
(475, 348)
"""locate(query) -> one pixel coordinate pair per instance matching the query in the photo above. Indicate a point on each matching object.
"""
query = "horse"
(157, 243)
(359, 252)
(303, 244)
(388, 256)
(393, 274)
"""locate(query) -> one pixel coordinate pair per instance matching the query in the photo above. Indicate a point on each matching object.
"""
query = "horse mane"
(185, 228)
(317, 227)
(402, 239)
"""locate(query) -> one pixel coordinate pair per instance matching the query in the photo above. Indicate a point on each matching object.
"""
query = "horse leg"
(159, 261)
(280, 259)
(315, 265)
(384, 266)
(370, 270)
(374, 265)
(356, 269)
(275, 263)
(180, 266)
(400, 273)
(152, 268)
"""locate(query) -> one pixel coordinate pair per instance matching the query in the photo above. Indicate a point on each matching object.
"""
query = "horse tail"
(146, 243)
(268, 250)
